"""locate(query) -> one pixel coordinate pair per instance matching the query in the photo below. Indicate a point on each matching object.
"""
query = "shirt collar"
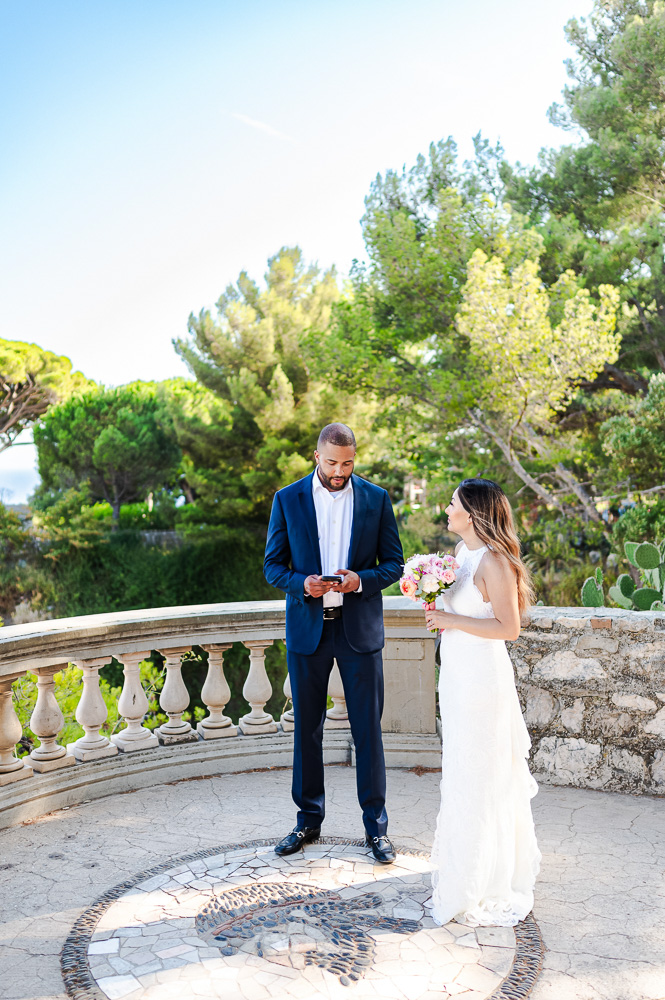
(318, 485)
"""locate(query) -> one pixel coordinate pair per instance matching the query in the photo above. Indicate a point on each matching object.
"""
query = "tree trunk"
(516, 465)
(564, 475)
(579, 491)
(635, 385)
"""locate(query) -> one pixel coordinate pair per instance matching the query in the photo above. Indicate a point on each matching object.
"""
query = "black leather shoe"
(297, 839)
(382, 849)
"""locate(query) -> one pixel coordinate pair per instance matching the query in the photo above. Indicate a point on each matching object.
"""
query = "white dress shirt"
(334, 519)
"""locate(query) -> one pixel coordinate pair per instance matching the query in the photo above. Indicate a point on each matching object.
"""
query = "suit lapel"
(309, 513)
(360, 501)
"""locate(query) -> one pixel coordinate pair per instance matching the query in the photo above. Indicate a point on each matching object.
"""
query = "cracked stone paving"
(242, 924)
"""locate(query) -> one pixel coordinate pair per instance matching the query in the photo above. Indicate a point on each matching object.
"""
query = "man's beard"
(327, 481)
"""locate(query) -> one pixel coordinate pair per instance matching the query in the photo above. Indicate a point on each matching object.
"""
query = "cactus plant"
(649, 560)
(623, 590)
(592, 590)
(630, 548)
(644, 597)
(647, 556)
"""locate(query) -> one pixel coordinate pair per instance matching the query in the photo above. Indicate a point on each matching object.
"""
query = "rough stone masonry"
(592, 688)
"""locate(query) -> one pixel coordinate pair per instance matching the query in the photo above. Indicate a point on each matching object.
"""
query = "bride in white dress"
(485, 853)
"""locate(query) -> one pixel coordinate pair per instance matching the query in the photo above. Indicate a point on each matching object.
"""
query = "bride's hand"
(436, 619)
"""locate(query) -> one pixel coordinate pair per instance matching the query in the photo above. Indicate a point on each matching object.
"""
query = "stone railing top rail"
(62, 640)
(595, 618)
(48, 643)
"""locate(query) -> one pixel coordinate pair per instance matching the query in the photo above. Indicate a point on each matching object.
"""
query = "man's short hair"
(336, 434)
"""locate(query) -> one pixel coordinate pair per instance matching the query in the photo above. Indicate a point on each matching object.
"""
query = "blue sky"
(151, 150)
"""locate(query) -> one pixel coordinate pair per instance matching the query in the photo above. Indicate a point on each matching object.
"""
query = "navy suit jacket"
(292, 554)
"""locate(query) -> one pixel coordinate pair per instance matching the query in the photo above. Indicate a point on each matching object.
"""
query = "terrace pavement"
(600, 898)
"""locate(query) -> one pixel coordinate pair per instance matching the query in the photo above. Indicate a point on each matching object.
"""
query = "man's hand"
(350, 582)
(316, 587)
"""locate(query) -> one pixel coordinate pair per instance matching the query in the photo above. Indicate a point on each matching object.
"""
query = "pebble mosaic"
(240, 923)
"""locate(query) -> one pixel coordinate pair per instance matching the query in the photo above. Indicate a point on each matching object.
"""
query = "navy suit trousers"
(362, 676)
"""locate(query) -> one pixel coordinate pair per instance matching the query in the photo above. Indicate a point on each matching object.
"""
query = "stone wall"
(592, 689)
(591, 683)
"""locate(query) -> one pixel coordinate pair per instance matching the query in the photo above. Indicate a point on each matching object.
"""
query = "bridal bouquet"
(427, 576)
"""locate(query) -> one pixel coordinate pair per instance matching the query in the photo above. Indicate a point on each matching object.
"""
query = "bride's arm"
(501, 586)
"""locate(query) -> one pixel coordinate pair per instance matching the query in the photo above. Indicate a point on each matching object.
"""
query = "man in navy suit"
(332, 523)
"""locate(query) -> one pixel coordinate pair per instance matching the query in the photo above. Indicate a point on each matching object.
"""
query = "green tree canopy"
(529, 349)
(31, 380)
(453, 326)
(113, 444)
(600, 204)
(251, 424)
(635, 442)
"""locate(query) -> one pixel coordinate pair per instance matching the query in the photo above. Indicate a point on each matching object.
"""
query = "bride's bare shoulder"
(496, 565)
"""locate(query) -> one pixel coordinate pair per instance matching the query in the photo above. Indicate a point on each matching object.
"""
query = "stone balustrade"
(134, 755)
(591, 684)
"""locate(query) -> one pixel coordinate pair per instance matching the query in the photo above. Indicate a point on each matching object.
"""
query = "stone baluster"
(256, 692)
(287, 719)
(336, 717)
(173, 700)
(46, 722)
(215, 695)
(91, 713)
(11, 768)
(132, 706)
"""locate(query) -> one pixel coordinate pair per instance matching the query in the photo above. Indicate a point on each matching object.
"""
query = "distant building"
(415, 492)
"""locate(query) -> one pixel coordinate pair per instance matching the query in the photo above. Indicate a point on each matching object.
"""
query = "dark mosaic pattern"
(528, 961)
(80, 984)
(290, 925)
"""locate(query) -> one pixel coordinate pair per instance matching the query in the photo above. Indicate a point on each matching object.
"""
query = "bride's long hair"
(492, 518)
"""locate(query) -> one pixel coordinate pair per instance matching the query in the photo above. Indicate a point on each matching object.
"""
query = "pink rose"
(408, 587)
(448, 576)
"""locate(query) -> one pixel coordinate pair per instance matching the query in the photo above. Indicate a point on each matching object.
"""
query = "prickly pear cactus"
(592, 591)
(647, 556)
(649, 559)
(649, 562)
(644, 597)
(622, 592)
(630, 548)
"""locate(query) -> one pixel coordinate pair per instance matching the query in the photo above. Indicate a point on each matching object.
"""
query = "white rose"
(429, 583)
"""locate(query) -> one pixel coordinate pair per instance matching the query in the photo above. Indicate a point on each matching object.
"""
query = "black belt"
(330, 613)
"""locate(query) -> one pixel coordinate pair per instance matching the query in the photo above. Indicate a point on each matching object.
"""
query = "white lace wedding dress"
(485, 853)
